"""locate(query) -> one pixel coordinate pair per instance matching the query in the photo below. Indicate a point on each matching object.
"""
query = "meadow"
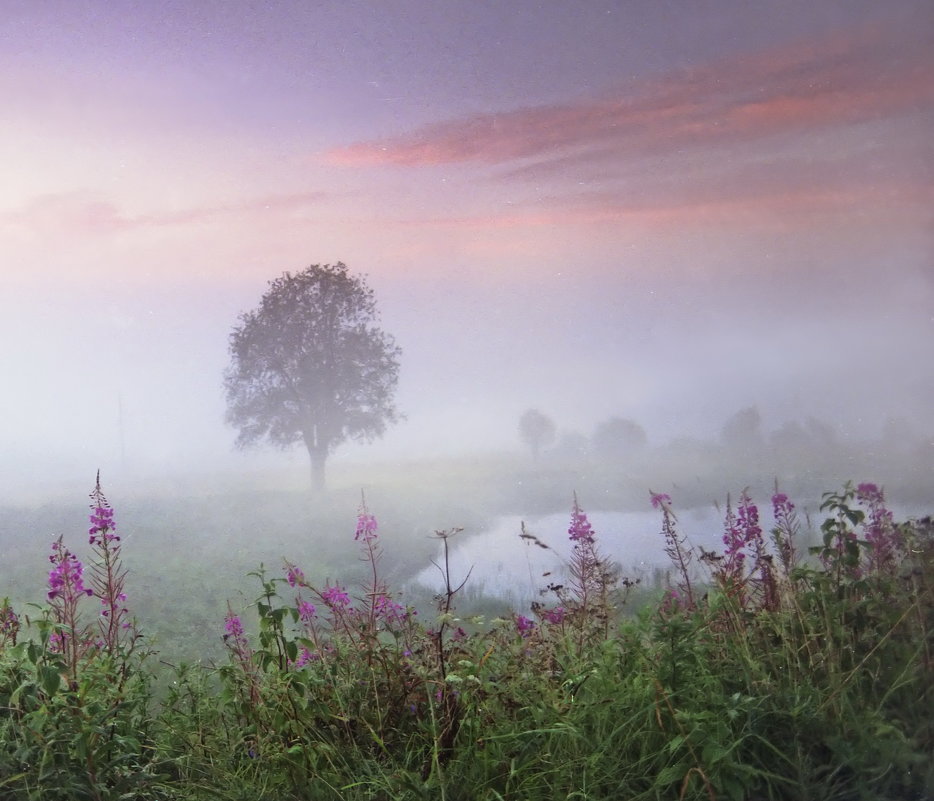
(146, 661)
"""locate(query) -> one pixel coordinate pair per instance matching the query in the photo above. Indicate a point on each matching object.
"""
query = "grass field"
(787, 665)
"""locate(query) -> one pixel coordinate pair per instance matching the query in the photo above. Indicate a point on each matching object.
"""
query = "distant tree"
(618, 438)
(310, 365)
(743, 430)
(536, 430)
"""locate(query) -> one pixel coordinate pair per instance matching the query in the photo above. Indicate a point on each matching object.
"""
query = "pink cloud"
(78, 211)
(794, 203)
(858, 76)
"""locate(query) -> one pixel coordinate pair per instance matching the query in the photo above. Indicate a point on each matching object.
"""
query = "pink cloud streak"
(81, 212)
(855, 77)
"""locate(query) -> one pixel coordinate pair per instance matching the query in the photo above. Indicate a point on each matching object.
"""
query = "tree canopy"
(311, 365)
(618, 438)
(536, 430)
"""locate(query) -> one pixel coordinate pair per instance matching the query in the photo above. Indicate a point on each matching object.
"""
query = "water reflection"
(509, 566)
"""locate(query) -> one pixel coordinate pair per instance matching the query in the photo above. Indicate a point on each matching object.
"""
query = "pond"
(506, 565)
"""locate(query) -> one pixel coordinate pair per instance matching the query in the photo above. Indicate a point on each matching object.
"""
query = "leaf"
(49, 678)
(670, 774)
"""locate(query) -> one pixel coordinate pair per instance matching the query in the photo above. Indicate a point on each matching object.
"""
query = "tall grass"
(784, 673)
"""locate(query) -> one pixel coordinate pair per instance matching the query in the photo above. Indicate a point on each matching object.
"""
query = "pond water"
(514, 568)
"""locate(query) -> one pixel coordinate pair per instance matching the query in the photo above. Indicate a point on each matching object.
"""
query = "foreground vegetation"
(766, 670)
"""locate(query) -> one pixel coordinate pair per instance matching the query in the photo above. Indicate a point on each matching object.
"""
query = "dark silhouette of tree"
(743, 430)
(618, 438)
(536, 430)
(310, 364)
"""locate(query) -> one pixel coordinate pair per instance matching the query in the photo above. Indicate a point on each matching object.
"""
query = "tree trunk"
(318, 456)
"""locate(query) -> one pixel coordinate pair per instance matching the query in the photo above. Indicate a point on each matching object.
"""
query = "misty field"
(192, 651)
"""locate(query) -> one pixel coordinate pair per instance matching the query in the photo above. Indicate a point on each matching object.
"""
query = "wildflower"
(580, 530)
(235, 638)
(524, 625)
(9, 623)
(366, 527)
(554, 616)
(786, 528)
(335, 596)
(66, 577)
(661, 500)
(56, 643)
(671, 603)
(304, 657)
(102, 518)
(366, 523)
(733, 542)
(294, 575)
(102, 525)
(306, 610)
(233, 626)
(881, 533)
(388, 609)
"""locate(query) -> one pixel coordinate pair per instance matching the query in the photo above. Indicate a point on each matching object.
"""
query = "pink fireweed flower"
(366, 527)
(661, 500)
(236, 637)
(102, 525)
(304, 657)
(335, 597)
(880, 530)
(366, 523)
(554, 616)
(66, 576)
(102, 528)
(294, 575)
(388, 609)
(9, 623)
(306, 610)
(580, 529)
(785, 531)
(233, 626)
(524, 626)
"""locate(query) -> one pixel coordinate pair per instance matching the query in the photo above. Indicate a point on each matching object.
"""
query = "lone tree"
(310, 364)
(618, 438)
(536, 430)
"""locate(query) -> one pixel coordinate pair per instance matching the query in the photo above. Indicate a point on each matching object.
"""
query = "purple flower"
(306, 610)
(366, 526)
(880, 530)
(524, 625)
(304, 657)
(785, 531)
(235, 637)
(335, 596)
(294, 575)
(233, 626)
(366, 523)
(661, 500)
(580, 530)
(388, 609)
(554, 616)
(9, 623)
(66, 576)
(102, 525)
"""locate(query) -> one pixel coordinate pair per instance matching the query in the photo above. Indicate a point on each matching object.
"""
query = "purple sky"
(657, 210)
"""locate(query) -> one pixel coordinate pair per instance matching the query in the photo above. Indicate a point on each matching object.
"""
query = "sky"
(655, 210)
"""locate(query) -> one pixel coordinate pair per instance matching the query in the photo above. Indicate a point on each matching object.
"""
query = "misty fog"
(546, 223)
